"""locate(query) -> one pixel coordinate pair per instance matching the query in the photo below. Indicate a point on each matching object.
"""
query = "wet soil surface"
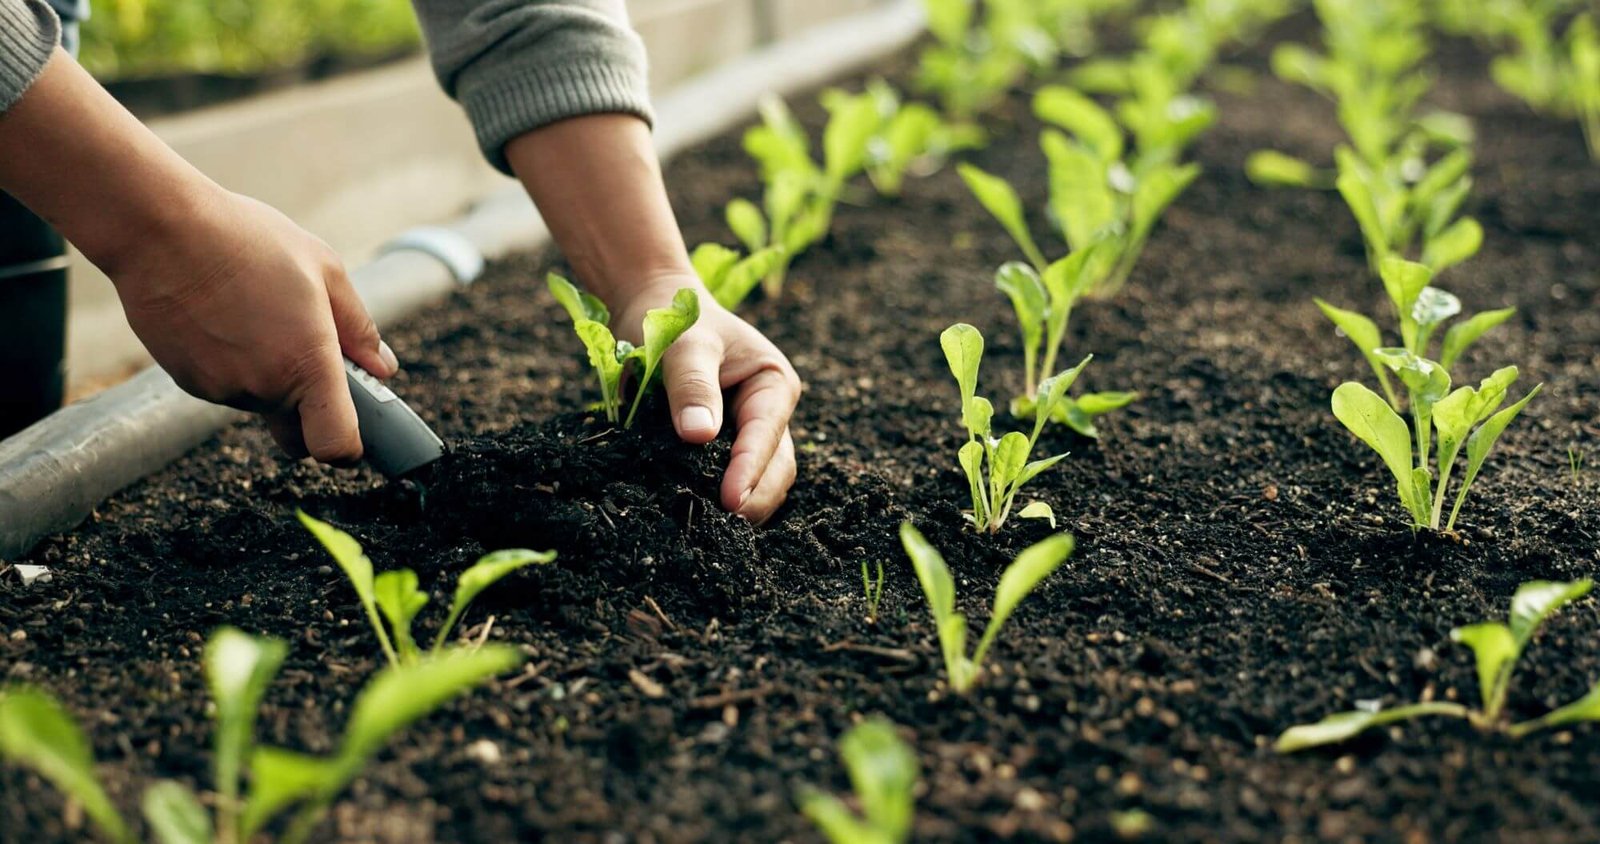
(1242, 563)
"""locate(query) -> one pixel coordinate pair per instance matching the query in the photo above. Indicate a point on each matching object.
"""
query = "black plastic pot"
(33, 317)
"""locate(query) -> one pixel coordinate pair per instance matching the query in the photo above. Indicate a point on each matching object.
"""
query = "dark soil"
(1242, 563)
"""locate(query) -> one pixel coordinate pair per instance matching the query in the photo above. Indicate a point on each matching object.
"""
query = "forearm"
(77, 158)
(598, 183)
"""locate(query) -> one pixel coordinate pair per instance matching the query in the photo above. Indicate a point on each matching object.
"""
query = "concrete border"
(53, 474)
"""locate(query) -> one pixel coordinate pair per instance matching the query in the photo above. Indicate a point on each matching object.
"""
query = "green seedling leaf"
(1081, 116)
(1033, 565)
(971, 458)
(1273, 169)
(37, 733)
(1404, 281)
(486, 572)
(1372, 420)
(940, 590)
(883, 772)
(175, 814)
(279, 779)
(1586, 708)
(662, 328)
(1434, 306)
(1029, 299)
(963, 351)
(238, 668)
(747, 223)
(348, 554)
(603, 350)
(400, 600)
(1481, 443)
(1453, 245)
(1038, 510)
(1462, 335)
(741, 279)
(997, 197)
(949, 20)
(1344, 726)
(711, 262)
(851, 125)
(1083, 197)
(579, 305)
(1496, 652)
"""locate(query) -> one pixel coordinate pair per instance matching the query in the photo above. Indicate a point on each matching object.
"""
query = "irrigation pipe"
(53, 474)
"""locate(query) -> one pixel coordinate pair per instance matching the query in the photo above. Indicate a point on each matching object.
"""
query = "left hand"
(723, 352)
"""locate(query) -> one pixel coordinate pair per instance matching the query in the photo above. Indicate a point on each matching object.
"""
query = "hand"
(723, 352)
(244, 308)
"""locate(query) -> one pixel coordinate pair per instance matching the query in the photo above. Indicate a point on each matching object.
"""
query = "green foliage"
(396, 595)
(976, 58)
(36, 733)
(140, 38)
(883, 773)
(872, 590)
(1560, 76)
(611, 358)
(1033, 565)
(1497, 646)
(907, 137)
(997, 467)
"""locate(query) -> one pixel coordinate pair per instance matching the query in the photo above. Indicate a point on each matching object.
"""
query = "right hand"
(244, 308)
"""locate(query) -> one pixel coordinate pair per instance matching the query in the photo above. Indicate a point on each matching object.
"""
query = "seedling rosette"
(883, 773)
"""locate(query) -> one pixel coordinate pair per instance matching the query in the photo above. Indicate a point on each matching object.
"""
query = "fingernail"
(387, 354)
(695, 418)
(745, 498)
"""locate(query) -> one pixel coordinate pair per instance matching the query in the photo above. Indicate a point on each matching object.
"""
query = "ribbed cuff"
(29, 32)
(521, 100)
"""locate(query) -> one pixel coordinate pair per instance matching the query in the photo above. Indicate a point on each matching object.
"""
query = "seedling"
(730, 275)
(910, 137)
(611, 358)
(37, 733)
(1575, 465)
(1033, 565)
(883, 773)
(1497, 647)
(972, 63)
(1555, 77)
(872, 590)
(997, 468)
(395, 595)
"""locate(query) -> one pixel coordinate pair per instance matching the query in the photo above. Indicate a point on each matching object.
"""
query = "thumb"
(694, 390)
(358, 334)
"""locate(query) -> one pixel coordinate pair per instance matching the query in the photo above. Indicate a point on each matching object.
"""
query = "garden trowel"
(396, 440)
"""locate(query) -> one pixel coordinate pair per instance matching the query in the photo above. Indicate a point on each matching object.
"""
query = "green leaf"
(997, 197)
(579, 305)
(175, 814)
(487, 571)
(1157, 190)
(1453, 245)
(1496, 651)
(1434, 306)
(1352, 185)
(1273, 169)
(400, 600)
(949, 20)
(1081, 116)
(1462, 335)
(1537, 600)
(940, 590)
(1038, 510)
(1081, 196)
(737, 284)
(1028, 298)
(711, 262)
(662, 328)
(963, 351)
(280, 778)
(238, 667)
(1033, 565)
(1371, 419)
(1481, 443)
(837, 823)
(883, 772)
(971, 459)
(357, 568)
(1404, 281)
(1586, 708)
(37, 733)
(747, 223)
(852, 123)
(1346, 725)
(1099, 404)
(1032, 470)
(601, 346)
(1005, 465)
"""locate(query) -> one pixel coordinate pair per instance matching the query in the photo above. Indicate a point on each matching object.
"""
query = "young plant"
(1575, 466)
(730, 275)
(611, 358)
(1497, 647)
(1552, 76)
(394, 594)
(974, 61)
(872, 590)
(997, 467)
(909, 138)
(37, 733)
(1033, 565)
(883, 774)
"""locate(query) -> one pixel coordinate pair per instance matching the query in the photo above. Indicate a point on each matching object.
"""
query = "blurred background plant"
(131, 39)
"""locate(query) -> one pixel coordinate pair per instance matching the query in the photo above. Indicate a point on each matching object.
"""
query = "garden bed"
(1242, 564)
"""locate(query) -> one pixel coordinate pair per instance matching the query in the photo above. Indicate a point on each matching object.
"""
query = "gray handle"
(395, 438)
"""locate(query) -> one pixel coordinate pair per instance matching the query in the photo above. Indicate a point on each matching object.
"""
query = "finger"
(285, 429)
(358, 334)
(694, 390)
(327, 414)
(773, 487)
(763, 406)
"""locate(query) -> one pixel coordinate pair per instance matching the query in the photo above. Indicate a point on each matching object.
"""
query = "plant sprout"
(872, 590)
(612, 358)
(883, 773)
(729, 275)
(997, 467)
(1033, 565)
(394, 594)
(1497, 646)
(37, 733)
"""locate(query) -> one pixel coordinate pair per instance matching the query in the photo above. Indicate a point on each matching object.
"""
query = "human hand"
(244, 308)
(723, 352)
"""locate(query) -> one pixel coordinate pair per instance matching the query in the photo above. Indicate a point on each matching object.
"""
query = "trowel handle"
(395, 438)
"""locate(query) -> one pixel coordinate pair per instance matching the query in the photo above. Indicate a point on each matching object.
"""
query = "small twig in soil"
(718, 701)
(895, 654)
(527, 674)
(656, 608)
(1214, 575)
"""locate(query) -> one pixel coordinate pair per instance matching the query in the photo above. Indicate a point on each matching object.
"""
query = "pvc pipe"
(53, 474)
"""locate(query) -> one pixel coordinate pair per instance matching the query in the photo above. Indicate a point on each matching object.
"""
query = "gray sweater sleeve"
(516, 65)
(29, 32)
